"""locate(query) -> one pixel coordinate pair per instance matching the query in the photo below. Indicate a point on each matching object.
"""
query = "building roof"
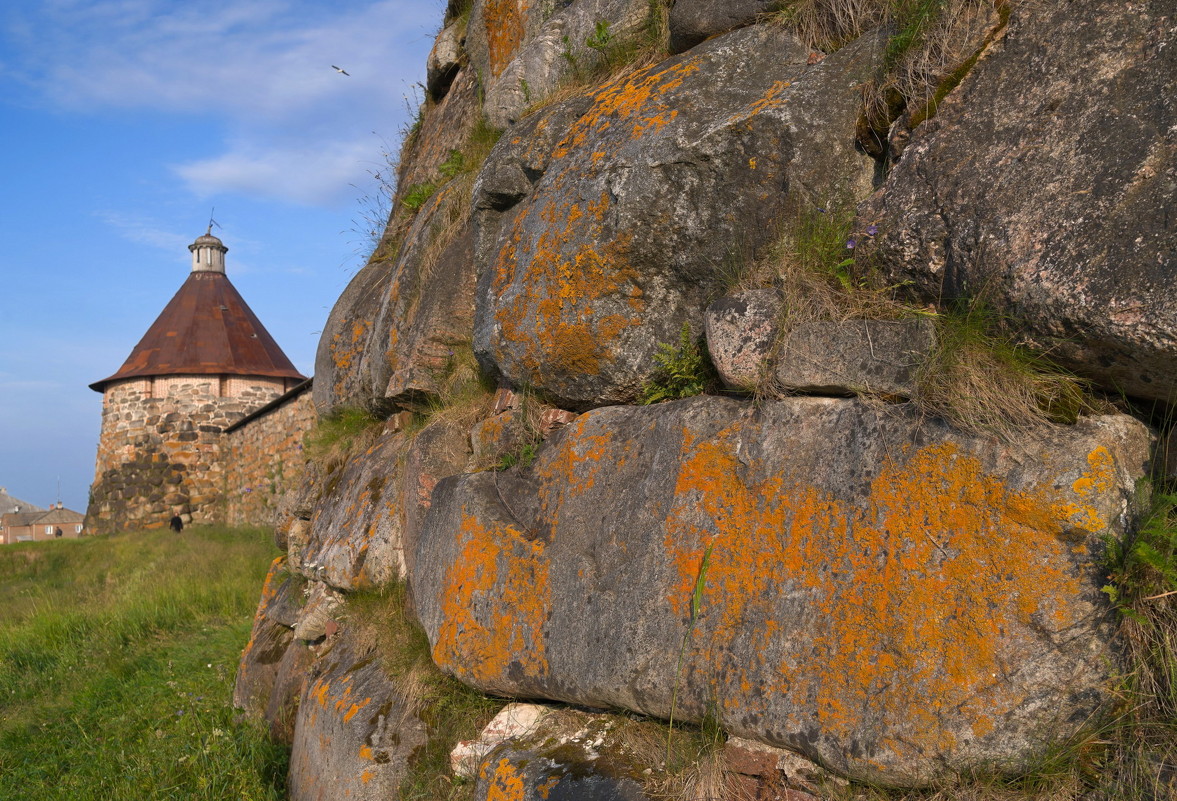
(19, 519)
(10, 504)
(206, 329)
(59, 517)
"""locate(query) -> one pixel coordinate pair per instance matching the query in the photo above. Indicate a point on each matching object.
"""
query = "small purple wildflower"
(850, 243)
(871, 230)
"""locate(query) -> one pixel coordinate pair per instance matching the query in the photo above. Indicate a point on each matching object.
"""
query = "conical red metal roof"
(206, 329)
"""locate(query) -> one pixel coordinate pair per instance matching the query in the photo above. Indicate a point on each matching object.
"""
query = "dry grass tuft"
(933, 44)
(812, 265)
(708, 779)
(464, 395)
(982, 381)
(829, 24)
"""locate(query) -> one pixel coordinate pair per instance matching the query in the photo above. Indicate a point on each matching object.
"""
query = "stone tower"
(205, 363)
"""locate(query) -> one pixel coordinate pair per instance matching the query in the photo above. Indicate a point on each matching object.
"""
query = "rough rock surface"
(444, 127)
(445, 59)
(878, 357)
(523, 50)
(884, 595)
(751, 351)
(593, 252)
(692, 21)
(1046, 183)
(365, 525)
(354, 734)
(289, 683)
(318, 615)
(514, 721)
(777, 773)
(273, 631)
(550, 774)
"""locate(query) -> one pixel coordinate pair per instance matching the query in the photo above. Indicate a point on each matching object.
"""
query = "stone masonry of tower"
(206, 363)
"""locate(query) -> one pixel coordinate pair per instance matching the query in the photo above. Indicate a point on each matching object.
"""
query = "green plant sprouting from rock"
(681, 371)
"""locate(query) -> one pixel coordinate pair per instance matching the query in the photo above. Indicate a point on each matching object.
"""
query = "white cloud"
(258, 69)
(305, 173)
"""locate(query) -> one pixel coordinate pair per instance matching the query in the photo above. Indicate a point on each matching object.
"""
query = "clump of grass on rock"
(982, 380)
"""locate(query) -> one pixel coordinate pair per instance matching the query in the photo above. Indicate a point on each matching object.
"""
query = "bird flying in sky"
(341, 70)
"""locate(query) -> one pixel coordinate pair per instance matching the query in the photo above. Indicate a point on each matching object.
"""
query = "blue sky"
(122, 124)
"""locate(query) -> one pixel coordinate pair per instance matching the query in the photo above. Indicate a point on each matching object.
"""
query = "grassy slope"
(117, 657)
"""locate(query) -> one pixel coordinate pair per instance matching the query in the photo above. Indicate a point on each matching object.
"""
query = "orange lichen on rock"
(553, 313)
(504, 781)
(573, 469)
(355, 708)
(776, 96)
(505, 30)
(319, 692)
(911, 595)
(485, 644)
(637, 101)
(1095, 481)
(544, 788)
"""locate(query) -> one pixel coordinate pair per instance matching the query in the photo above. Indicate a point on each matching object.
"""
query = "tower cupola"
(208, 254)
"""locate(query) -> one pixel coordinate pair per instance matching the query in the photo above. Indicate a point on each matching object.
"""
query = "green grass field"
(117, 658)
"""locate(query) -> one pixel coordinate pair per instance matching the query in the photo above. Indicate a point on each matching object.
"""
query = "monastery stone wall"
(263, 459)
(160, 449)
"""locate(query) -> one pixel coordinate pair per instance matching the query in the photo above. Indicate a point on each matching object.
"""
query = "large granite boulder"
(523, 51)
(1045, 184)
(355, 732)
(605, 223)
(859, 583)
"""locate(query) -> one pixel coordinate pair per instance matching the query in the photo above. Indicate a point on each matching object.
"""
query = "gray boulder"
(445, 59)
(692, 21)
(1045, 184)
(865, 357)
(592, 253)
(889, 597)
(742, 331)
